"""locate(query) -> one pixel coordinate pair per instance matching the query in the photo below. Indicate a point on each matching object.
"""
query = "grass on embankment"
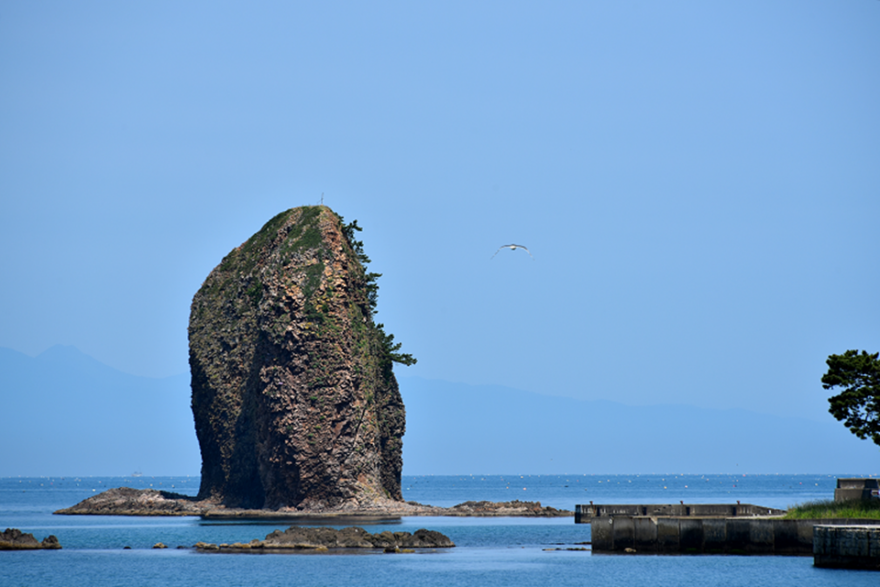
(828, 508)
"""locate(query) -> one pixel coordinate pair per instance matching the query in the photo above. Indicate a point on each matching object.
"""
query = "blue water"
(490, 551)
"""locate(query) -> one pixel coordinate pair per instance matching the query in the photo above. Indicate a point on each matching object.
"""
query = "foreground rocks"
(326, 539)
(293, 394)
(125, 501)
(15, 539)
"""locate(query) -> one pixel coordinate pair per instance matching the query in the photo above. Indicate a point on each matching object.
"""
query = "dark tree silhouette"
(858, 404)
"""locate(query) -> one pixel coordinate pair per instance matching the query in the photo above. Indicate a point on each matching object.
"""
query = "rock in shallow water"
(322, 539)
(15, 539)
(124, 501)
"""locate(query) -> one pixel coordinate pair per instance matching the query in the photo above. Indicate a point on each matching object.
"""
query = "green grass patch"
(306, 234)
(255, 292)
(828, 508)
(313, 279)
(266, 234)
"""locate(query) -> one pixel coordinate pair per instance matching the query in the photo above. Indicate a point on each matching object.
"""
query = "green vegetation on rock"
(389, 346)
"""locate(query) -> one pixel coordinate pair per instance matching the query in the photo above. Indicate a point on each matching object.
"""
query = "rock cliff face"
(293, 395)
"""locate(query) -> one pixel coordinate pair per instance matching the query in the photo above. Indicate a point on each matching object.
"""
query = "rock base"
(124, 501)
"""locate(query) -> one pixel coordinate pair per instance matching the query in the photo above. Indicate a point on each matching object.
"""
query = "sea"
(118, 551)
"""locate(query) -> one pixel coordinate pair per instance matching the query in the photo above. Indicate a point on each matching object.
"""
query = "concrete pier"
(846, 547)
(857, 488)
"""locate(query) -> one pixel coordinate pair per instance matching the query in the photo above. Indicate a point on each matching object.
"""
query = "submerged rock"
(15, 539)
(293, 394)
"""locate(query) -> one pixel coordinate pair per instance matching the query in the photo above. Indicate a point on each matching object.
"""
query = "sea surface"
(489, 551)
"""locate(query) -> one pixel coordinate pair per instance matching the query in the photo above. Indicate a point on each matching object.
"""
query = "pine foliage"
(391, 349)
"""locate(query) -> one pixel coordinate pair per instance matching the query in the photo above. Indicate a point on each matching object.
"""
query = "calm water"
(493, 551)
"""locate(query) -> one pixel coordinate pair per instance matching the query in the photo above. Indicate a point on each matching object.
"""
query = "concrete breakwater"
(857, 488)
(702, 535)
(847, 547)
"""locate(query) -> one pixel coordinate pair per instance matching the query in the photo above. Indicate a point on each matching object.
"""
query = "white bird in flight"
(512, 248)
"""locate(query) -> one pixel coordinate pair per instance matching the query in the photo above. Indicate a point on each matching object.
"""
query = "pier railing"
(584, 513)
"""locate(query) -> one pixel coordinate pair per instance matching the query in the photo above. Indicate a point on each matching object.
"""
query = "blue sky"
(697, 181)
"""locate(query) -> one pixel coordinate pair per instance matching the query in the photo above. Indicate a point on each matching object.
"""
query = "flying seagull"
(512, 248)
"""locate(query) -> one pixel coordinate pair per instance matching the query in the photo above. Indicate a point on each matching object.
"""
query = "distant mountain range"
(454, 428)
(72, 415)
(64, 413)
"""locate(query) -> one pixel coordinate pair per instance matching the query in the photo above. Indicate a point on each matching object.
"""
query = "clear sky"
(699, 182)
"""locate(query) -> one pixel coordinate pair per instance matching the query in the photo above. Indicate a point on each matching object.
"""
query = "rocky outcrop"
(125, 501)
(468, 509)
(15, 539)
(515, 508)
(293, 395)
(302, 539)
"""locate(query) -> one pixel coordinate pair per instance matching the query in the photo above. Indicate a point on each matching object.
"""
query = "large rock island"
(296, 407)
(293, 394)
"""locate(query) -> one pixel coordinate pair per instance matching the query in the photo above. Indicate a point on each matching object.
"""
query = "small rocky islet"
(318, 540)
(15, 539)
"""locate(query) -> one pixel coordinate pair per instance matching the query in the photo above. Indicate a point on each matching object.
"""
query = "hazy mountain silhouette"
(72, 415)
(454, 428)
(64, 413)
